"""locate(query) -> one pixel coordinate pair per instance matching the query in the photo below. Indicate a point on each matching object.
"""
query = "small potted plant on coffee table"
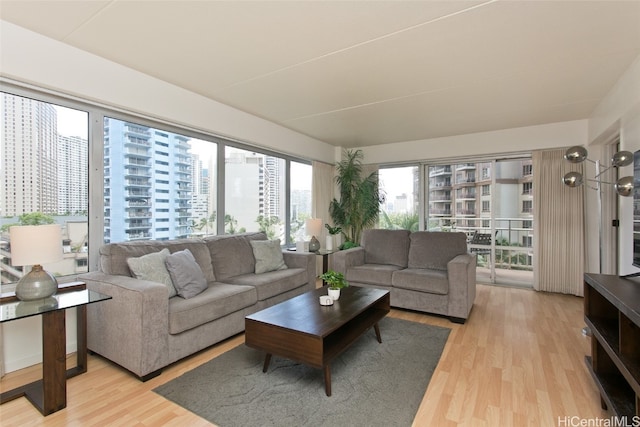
(335, 281)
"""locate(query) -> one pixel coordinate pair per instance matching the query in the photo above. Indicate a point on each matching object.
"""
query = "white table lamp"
(35, 245)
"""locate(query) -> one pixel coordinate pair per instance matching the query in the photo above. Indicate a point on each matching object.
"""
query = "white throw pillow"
(268, 255)
(152, 267)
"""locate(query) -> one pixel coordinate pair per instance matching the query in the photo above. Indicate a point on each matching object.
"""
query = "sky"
(72, 122)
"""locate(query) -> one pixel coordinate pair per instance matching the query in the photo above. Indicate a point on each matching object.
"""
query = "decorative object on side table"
(35, 245)
(331, 237)
(335, 281)
(313, 227)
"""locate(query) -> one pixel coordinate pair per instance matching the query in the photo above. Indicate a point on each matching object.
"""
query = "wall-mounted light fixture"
(578, 154)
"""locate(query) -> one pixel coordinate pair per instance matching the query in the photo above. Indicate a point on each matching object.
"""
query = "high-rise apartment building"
(29, 156)
(460, 195)
(147, 185)
(73, 164)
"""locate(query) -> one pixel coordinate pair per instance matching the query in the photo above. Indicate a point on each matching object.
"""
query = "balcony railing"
(512, 244)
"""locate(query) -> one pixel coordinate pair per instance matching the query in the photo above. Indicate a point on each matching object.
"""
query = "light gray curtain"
(558, 241)
(322, 192)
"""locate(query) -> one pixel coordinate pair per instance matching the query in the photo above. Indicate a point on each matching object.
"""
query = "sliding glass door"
(491, 201)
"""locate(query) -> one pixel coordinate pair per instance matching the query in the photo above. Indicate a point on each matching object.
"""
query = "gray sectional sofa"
(426, 271)
(144, 329)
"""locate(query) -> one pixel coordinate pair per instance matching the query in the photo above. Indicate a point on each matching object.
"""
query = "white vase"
(329, 242)
(334, 294)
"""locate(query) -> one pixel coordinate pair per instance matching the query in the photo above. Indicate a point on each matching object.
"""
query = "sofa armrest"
(132, 328)
(306, 260)
(343, 260)
(461, 273)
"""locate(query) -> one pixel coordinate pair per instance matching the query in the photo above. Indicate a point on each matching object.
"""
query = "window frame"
(96, 114)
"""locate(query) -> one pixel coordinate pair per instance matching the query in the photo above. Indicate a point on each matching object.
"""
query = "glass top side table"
(50, 393)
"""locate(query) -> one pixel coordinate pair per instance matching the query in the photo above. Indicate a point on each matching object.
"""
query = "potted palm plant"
(360, 198)
(335, 281)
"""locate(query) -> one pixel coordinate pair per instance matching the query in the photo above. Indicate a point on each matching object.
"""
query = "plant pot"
(334, 294)
(329, 242)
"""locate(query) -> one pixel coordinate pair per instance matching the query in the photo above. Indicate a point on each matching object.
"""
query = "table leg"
(81, 353)
(267, 360)
(54, 370)
(377, 329)
(327, 379)
(325, 266)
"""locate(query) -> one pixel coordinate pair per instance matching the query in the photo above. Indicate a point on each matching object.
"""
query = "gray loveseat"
(144, 330)
(426, 271)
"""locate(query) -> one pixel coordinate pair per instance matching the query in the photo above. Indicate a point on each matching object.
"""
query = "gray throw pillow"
(186, 274)
(152, 267)
(268, 255)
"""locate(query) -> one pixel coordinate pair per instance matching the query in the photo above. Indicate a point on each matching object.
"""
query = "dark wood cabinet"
(612, 313)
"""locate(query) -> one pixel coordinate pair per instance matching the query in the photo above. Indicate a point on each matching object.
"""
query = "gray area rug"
(372, 384)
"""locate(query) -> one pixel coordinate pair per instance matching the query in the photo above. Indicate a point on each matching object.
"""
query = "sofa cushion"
(434, 249)
(274, 282)
(186, 275)
(375, 274)
(152, 267)
(113, 256)
(268, 255)
(218, 300)
(232, 255)
(385, 247)
(422, 280)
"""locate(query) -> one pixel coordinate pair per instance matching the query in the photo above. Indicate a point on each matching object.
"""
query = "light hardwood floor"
(518, 361)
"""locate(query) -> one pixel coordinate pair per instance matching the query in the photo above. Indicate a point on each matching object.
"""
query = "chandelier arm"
(600, 181)
(603, 171)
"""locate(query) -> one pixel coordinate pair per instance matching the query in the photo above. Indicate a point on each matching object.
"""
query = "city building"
(148, 178)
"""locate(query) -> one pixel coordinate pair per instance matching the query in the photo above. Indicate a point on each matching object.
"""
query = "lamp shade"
(313, 226)
(35, 244)
(573, 179)
(624, 186)
(622, 158)
(576, 154)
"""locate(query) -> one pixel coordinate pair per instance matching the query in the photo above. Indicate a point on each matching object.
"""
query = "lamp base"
(314, 245)
(37, 284)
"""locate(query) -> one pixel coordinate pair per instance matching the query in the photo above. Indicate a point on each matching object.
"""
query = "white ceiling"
(357, 73)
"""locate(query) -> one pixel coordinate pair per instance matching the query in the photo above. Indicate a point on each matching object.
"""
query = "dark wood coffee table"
(302, 330)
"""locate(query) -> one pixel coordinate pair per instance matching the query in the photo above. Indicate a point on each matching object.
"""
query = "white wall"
(32, 58)
(480, 144)
(22, 340)
(618, 114)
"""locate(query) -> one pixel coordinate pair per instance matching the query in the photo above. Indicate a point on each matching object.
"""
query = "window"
(135, 179)
(400, 186)
(527, 187)
(527, 169)
(486, 206)
(527, 206)
(486, 174)
(44, 168)
(254, 193)
(527, 224)
(300, 199)
(486, 190)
